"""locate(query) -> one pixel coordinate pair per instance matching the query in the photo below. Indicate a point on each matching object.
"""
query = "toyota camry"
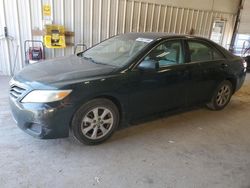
(122, 79)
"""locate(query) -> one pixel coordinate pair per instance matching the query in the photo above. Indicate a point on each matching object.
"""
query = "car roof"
(159, 35)
(155, 35)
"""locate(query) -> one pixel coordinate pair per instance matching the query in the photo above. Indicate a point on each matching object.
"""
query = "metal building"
(95, 20)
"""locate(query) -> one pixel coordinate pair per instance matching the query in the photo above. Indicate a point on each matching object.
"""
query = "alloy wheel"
(97, 123)
(223, 95)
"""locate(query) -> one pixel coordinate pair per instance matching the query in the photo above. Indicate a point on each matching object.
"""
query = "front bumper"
(42, 120)
(248, 67)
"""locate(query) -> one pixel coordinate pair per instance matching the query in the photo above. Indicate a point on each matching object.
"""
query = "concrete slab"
(199, 148)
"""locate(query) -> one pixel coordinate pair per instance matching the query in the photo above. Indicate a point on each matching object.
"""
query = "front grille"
(16, 91)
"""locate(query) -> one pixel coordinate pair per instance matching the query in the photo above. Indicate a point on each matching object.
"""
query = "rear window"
(203, 52)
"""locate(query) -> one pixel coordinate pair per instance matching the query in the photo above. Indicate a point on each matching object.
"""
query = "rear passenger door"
(210, 70)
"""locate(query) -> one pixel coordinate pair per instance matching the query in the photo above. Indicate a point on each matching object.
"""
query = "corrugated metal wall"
(95, 20)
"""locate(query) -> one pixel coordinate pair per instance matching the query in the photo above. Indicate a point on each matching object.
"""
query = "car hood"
(62, 70)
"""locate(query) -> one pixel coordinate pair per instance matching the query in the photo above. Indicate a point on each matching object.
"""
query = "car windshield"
(116, 51)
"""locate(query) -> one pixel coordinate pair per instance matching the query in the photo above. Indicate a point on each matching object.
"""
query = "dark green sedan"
(122, 79)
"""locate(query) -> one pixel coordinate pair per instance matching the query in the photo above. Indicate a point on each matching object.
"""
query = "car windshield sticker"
(144, 40)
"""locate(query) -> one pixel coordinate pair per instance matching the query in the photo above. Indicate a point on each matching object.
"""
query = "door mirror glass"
(148, 65)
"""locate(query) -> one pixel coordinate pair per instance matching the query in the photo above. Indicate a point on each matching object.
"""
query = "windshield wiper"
(90, 59)
(93, 61)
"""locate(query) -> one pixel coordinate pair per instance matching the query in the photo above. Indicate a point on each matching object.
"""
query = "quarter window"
(167, 53)
(202, 52)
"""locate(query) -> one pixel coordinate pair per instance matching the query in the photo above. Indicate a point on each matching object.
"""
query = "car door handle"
(224, 65)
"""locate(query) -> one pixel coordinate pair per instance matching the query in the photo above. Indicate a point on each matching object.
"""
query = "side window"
(167, 53)
(217, 55)
(202, 52)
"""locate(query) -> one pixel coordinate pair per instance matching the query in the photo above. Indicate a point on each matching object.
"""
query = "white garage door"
(245, 19)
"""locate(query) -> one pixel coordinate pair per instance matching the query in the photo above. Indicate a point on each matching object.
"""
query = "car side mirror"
(148, 65)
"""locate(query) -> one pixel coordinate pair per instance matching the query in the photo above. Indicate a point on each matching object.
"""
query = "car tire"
(95, 121)
(221, 96)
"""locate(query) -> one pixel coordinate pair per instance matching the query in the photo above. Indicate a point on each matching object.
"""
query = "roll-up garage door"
(244, 27)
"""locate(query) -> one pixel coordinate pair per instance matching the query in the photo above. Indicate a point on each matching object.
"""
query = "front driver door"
(162, 89)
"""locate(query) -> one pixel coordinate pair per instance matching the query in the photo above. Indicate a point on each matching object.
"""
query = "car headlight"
(41, 96)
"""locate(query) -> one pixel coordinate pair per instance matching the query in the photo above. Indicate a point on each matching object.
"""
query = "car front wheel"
(95, 121)
(221, 96)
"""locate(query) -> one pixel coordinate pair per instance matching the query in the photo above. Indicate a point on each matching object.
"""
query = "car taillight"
(244, 63)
